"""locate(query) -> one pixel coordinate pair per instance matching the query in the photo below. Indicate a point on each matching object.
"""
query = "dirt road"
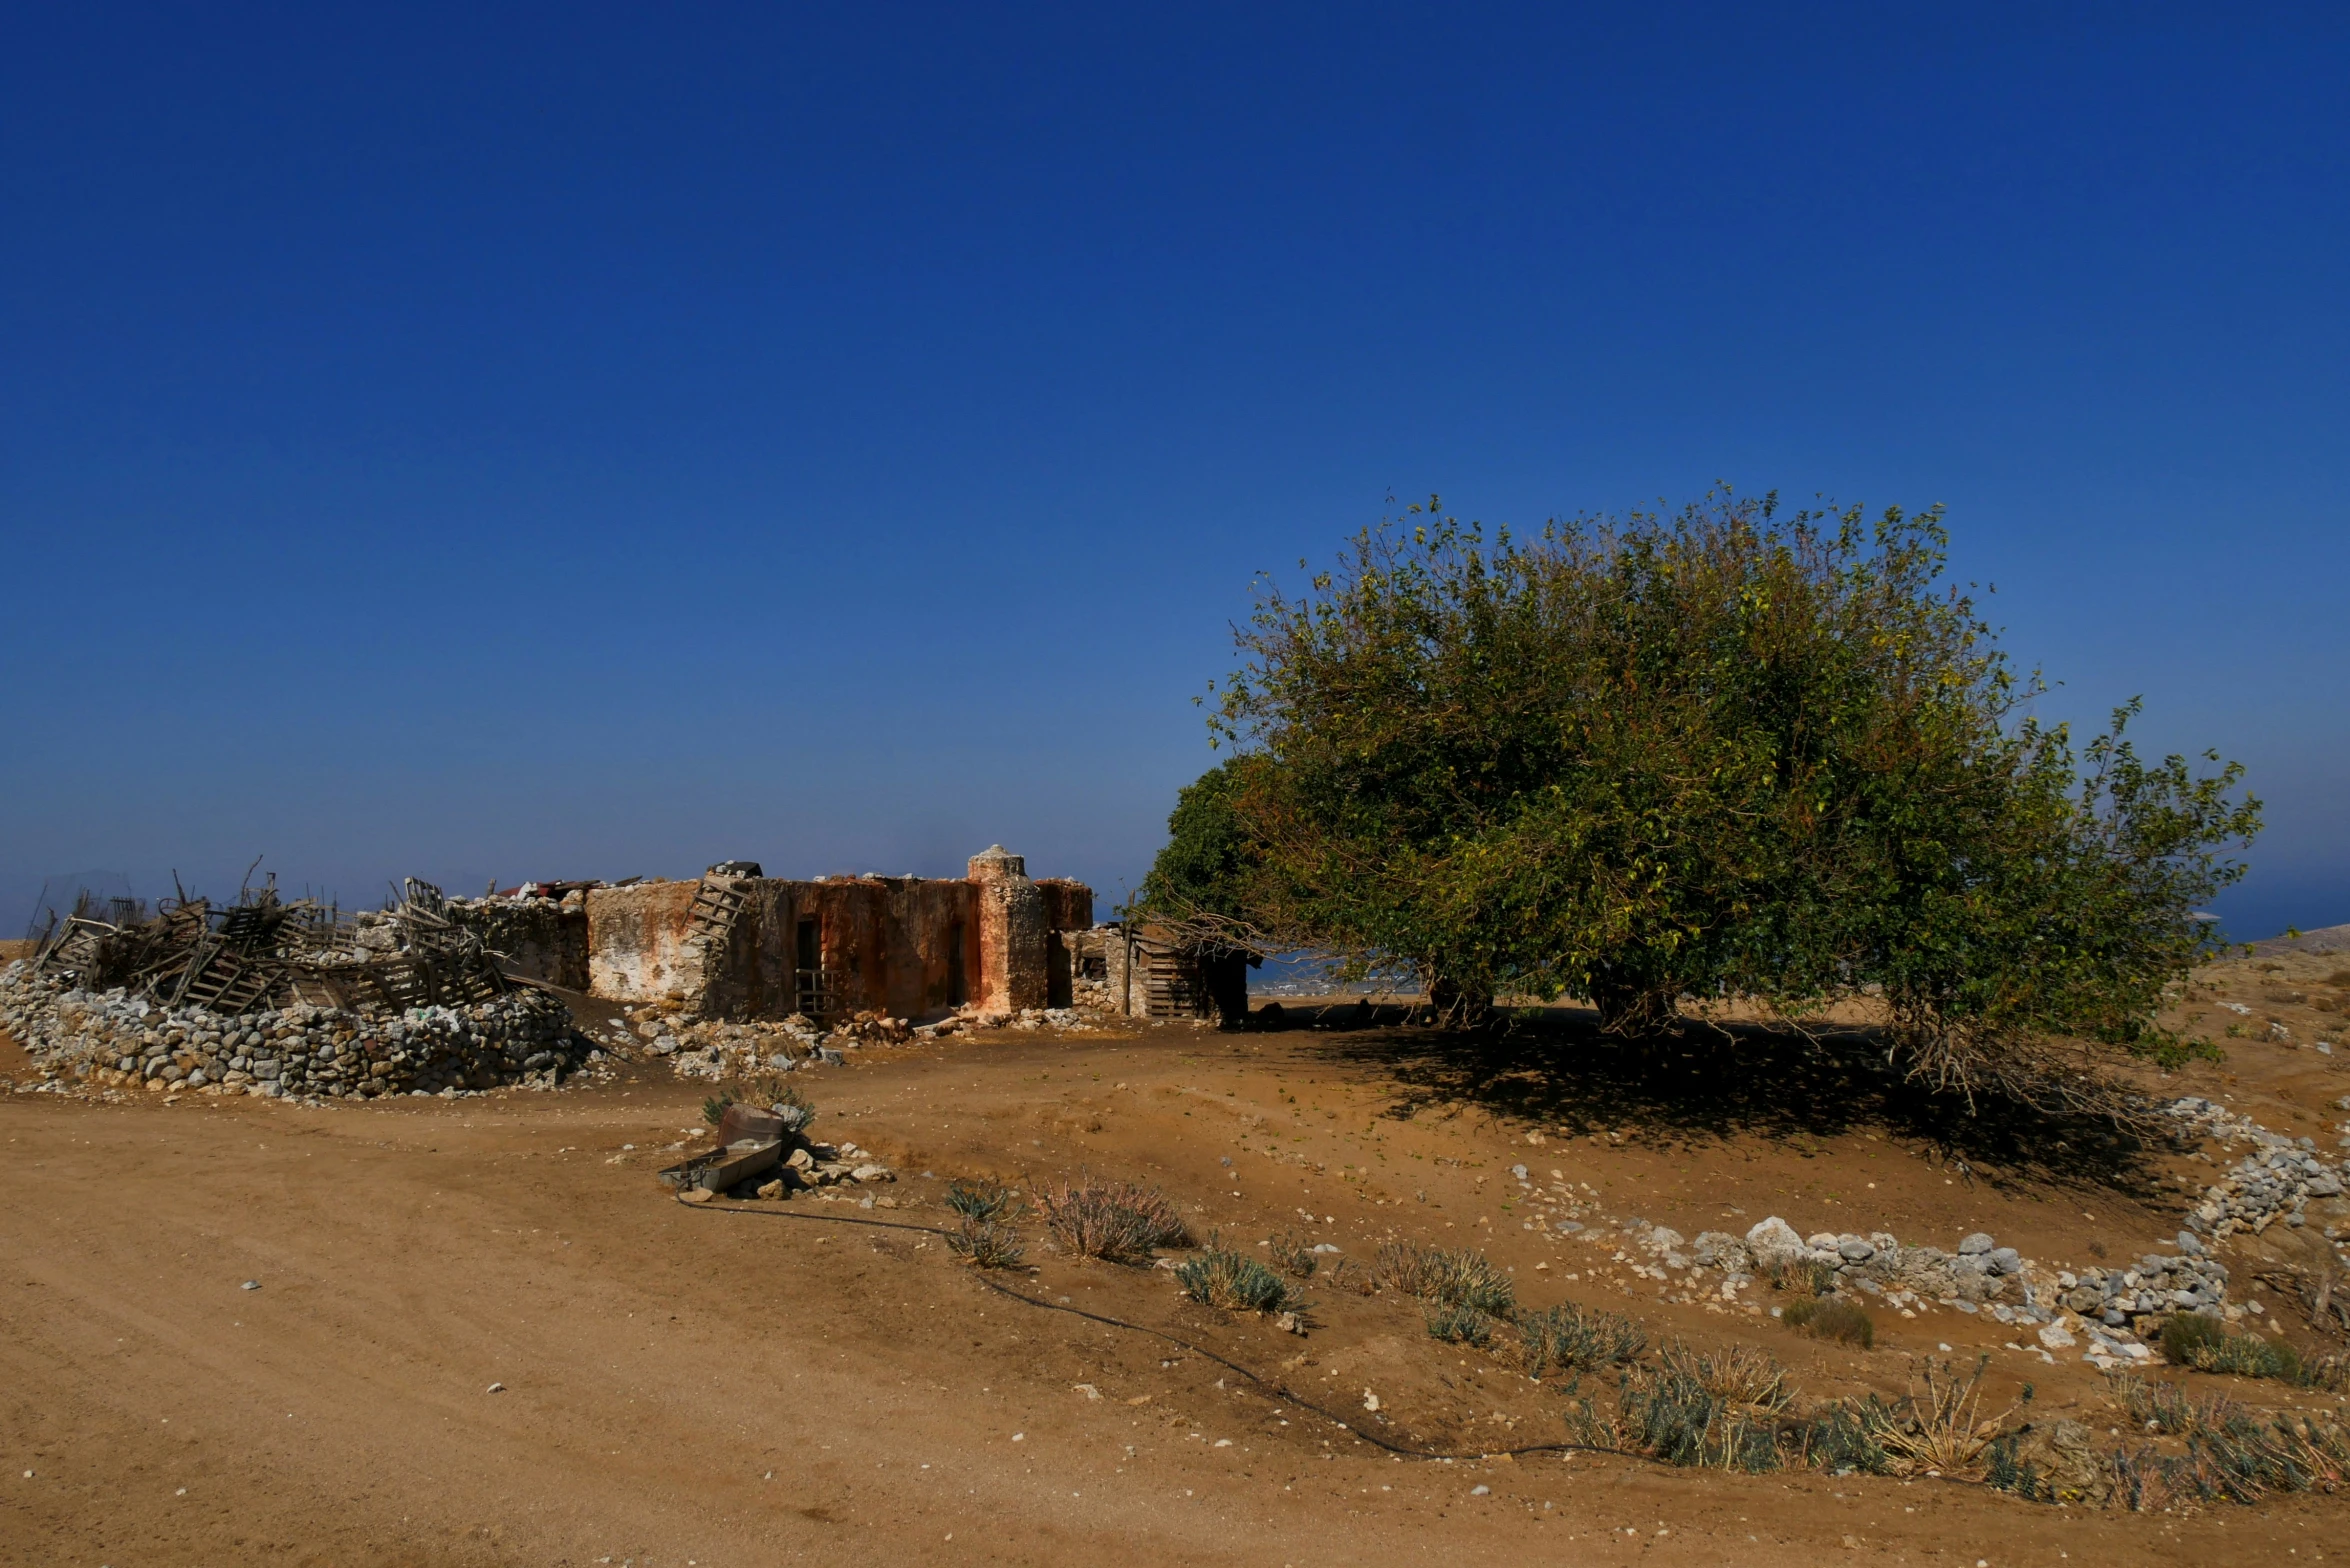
(719, 1388)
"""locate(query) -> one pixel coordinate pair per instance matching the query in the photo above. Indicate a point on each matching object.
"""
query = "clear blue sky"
(586, 441)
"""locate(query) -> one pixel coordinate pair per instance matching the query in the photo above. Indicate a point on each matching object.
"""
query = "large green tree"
(1726, 751)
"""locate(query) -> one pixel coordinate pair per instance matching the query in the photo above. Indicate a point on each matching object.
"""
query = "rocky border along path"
(2112, 1308)
(2277, 1181)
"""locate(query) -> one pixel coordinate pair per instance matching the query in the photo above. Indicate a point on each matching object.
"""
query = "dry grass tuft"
(1466, 1278)
(1116, 1221)
(1840, 1321)
(1941, 1428)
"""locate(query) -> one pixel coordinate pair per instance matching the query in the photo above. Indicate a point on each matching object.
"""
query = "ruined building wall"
(637, 948)
(1068, 909)
(534, 938)
(904, 947)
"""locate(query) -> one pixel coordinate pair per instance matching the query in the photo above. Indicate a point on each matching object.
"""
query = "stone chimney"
(1013, 964)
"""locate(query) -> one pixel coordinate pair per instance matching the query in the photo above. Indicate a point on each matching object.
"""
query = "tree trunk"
(1635, 1011)
(1459, 1006)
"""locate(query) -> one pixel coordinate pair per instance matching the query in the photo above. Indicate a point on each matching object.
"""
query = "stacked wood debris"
(265, 952)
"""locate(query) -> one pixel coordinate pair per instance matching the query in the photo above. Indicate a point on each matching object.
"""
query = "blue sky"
(594, 441)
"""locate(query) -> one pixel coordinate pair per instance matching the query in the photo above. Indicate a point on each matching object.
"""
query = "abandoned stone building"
(737, 944)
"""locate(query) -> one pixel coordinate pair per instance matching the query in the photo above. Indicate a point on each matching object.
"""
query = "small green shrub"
(1743, 1374)
(2192, 1339)
(1234, 1282)
(982, 1201)
(2149, 1402)
(2188, 1332)
(1842, 1438)
(1459, 1325)
(2330, 1373)
(1682, 1422)
(2005, 1469)
(2242, 1458)
(1840, 1321)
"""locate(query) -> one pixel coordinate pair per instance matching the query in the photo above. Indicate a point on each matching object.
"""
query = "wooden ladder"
(709, 924)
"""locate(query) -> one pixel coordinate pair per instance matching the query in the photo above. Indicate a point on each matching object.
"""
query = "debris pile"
(1069, 1020)
(277, 999)
(768, 1154)
(718, 1050)
(265, 952)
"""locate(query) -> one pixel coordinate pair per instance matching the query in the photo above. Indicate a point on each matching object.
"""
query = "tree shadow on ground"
(1710, 1083)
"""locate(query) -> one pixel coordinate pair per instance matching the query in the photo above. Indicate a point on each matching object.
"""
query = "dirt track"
(704, 1387)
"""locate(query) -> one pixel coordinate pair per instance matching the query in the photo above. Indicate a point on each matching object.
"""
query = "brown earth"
(749, 1384)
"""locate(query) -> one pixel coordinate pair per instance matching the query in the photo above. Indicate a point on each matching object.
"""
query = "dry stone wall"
(117, 1040)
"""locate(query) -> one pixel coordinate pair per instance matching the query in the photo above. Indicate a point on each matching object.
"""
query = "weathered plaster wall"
(637, 951)
(1014, 968)
(891, 945)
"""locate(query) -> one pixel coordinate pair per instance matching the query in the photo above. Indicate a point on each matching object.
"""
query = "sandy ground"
(752, 1384)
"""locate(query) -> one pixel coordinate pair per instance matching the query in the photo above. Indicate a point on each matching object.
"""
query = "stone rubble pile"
(810, 1166)
(815, 1165)
(2160, 1284)
(718, 1050)
(119, 1039)
(1068, 1020)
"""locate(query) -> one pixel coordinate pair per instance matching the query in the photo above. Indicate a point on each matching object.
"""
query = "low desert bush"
(1116, 1221)
(1459, 1325)
(1941, 1426)
(981, 1202)
(1669, 1411)
(1234, 1282)
(1293, 1254)
(987, 1244)
(1466, 1278)
(1742, 1374)
(1824, 1318)
(2242, 1457)
(1568, 1338)
(2194, 1340)
(1842, 1438)
(2153, 1404)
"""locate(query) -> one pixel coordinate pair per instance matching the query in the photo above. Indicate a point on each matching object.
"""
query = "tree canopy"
(1724, 752)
